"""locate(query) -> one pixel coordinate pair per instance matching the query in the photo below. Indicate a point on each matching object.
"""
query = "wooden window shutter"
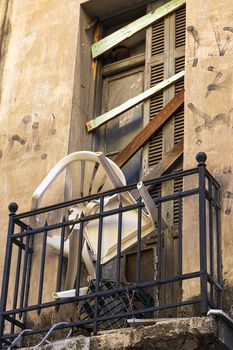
(179, 116)
(157, 45)
(156, 104)
(179, 66)
(165, 55)
(155, 149)
(180, 19)
(180, 26)
(155, 57)
(178, 186)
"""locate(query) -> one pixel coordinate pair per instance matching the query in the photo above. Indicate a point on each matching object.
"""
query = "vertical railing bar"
(24, 275)
(219, 260)
(100, 232)
(180, 237)
(28, 277)
(159, 242)
(42, 266)
(201, 158)
(211, 247)
(80, 245)
(118, 262)
(17, 278)
(7, 265)
(138, 263)
(61, 254)
(158, 249)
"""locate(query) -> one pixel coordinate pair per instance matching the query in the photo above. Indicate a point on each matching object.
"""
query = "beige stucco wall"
(38, 59)
(209, 115)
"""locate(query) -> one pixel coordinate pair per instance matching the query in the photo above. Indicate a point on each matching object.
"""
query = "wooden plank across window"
(154, 125)
(104, 118)
(123, 65)
(126, 32)
(164, 165)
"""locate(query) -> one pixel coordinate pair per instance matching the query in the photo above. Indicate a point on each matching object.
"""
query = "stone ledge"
(173, 334)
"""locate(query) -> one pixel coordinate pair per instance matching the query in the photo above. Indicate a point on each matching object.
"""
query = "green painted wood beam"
(120, 35)
(113, 113)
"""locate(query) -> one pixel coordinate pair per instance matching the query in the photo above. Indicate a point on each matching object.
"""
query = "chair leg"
(72, 266)
(88, 261)
(70, 293)
(149, 204)
(71, 247)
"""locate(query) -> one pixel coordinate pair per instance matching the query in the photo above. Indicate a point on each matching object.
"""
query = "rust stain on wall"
(228, 197)
(18, 139)
(196, 43)
(35, 125)
(37, 147)
(223, 44)
(222, 81)
(27, 119)
(5, 32)
(210, 122)
(214, 85)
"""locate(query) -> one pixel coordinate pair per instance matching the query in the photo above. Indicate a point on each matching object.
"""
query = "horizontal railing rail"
(109, 301)
(176, 175)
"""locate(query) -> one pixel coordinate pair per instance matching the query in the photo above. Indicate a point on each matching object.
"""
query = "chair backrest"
(90, 173)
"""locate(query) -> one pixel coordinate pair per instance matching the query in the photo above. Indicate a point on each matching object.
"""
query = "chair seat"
(129, 234)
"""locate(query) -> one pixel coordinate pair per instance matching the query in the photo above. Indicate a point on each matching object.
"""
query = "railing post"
(218, 238)
(13, 207)
(201, 159)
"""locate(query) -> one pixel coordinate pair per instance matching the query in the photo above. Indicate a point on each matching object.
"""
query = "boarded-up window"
(164, 48)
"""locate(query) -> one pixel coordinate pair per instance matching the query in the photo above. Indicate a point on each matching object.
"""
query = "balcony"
(107, 303)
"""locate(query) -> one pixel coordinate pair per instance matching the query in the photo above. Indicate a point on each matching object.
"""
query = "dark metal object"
(80, 244)
(16, 287)
(98, 267)
(201, 158)
(139, 241)
(21, 237)
(42, 267)
(59, 270)
(225, 328)
(118, 269)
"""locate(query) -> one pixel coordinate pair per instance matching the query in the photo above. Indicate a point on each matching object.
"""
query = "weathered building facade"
(50, 87)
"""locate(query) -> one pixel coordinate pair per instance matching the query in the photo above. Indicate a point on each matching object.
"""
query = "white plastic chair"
(94, 173)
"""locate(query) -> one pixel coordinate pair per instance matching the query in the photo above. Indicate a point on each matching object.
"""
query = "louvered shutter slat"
(157, 46)
(180, 27)
(178, 186)
(156, 104)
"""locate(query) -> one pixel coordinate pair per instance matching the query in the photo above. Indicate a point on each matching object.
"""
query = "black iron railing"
(109, 302)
